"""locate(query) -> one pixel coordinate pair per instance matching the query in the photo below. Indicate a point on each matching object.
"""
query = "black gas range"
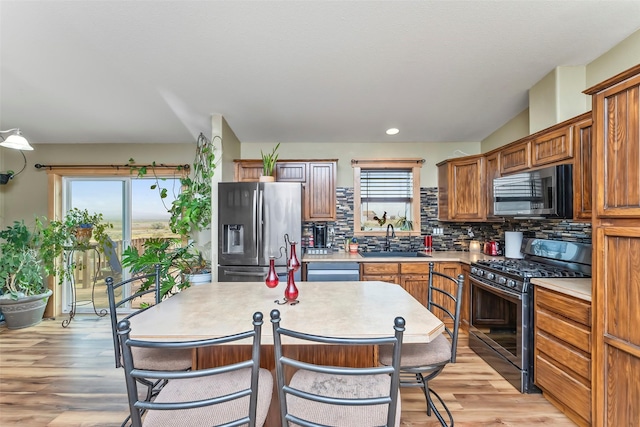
(501, 304)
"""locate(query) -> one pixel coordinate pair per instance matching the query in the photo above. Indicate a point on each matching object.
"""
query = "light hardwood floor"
(52, 376)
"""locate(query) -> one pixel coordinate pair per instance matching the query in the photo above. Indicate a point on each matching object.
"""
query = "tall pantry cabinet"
(616, 250)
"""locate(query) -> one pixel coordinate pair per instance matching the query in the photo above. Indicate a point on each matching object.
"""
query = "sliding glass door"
(137, 213)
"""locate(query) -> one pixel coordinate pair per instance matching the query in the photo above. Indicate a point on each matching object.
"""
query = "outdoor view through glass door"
(137, 213)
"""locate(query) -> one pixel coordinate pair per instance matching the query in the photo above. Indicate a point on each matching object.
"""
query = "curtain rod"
(118, 167)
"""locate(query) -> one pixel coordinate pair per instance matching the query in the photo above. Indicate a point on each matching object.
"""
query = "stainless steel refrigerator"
(254, 218)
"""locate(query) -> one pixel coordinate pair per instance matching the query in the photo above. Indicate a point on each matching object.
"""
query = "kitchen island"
(347, 309)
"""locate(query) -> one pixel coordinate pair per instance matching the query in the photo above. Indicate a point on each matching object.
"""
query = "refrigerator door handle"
(240, 273)
(259, 222)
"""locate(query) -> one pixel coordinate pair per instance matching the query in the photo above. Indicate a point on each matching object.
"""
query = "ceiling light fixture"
(17, 142)
(392, 131)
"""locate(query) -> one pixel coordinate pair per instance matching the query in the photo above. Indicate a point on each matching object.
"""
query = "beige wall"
(621, 57)
(27, 195)
(344, 152)
(514, 129)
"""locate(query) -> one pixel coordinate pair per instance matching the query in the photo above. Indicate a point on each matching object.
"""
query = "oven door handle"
(495, 289)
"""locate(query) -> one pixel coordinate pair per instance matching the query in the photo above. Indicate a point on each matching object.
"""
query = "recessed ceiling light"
(392, 131)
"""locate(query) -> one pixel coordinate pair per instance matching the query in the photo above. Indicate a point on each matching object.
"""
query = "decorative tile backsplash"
(455, 235)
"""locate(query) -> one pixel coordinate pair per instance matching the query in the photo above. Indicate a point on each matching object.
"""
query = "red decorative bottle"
(291, 292)
(293, 263)
(272, 277)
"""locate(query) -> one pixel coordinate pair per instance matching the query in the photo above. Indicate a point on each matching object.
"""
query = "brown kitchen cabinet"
(465, 314)
(616, 245)
(461, 189)
(562, 355)
(382, 271)
(318, 178)
(516, 157)
(582, 170)
(552, 147)
(492, 170)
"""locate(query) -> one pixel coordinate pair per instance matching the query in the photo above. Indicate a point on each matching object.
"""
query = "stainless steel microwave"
(544, 192)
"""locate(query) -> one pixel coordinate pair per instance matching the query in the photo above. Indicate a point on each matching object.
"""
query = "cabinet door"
(468, 202)
(465, 315)
(552, 147)
(452, 269)
(248, 171)
(320, 192)
(492, 166)
(515, 158)
(582, 170)
(443, 192)
(617, 169)
(416, 285)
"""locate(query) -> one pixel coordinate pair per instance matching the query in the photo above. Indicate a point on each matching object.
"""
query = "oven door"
(496, 319)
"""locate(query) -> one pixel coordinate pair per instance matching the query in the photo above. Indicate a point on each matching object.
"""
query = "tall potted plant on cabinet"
(190, 213)
(268, 164)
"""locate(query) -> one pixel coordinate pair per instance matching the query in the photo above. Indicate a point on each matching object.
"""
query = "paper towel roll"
(512, 243)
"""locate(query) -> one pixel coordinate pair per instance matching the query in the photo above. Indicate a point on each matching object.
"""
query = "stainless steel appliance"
(544, 192)
(257, 220)
(501, 304)
(333, 271)
(319, 235)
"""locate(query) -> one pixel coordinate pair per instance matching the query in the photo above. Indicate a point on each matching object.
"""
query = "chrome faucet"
(387, 244)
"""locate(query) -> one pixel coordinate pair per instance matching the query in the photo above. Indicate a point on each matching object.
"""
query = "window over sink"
(386, 192)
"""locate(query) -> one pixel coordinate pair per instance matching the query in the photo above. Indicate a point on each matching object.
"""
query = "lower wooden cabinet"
(562, 364)
(465, 314)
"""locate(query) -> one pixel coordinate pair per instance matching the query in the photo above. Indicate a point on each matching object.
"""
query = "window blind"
(386, 185)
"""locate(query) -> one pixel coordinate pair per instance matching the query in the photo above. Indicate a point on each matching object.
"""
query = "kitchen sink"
(392, 254)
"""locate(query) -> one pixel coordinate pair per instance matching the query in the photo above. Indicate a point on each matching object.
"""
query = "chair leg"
(425, 390)
(432, 406)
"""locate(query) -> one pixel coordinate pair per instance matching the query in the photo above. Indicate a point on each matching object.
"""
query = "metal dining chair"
(319, 395)
(420, 363)
(236, 394)
(146, 358)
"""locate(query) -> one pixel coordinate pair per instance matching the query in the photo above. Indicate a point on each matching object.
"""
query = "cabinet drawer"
(568, 357)
(569, 307)
(566, 330)
(391, 278)
(380, 268)
(563, 387)
(415, 268)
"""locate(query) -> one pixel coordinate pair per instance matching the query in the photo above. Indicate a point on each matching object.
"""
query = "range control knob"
(511, 283)
(491, 276)
(502, 280)
(474, 270)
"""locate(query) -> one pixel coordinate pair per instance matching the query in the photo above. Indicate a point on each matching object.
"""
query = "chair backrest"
(285, 387)
(186, 400)
(150, 284)
(445, 301)
(109, 249)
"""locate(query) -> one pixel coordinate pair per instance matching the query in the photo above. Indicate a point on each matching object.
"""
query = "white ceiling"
(292, 71)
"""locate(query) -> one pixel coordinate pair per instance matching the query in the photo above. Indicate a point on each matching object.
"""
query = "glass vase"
(272, 277)
(293, 263)
(291, 291)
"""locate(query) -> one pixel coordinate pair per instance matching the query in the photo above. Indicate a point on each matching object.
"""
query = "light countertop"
(436, 256)
(579, 288)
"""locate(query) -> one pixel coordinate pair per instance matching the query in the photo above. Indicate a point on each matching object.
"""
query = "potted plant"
(84, 225)
(190, 213)
(176, 262)
(24, 294)
(268, 164)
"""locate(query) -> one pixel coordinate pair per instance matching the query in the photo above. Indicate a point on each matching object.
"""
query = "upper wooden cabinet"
(461, 189)
(318, 178)
(492, 168)
(515, 157)
(552, 147)
(582, 170)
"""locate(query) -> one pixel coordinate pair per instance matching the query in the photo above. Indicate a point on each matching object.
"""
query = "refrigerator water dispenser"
(233, 238)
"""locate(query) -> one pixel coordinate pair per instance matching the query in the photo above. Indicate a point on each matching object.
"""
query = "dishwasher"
(333, 271)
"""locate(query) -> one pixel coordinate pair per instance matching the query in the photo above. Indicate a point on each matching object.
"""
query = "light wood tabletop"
(346, 309)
